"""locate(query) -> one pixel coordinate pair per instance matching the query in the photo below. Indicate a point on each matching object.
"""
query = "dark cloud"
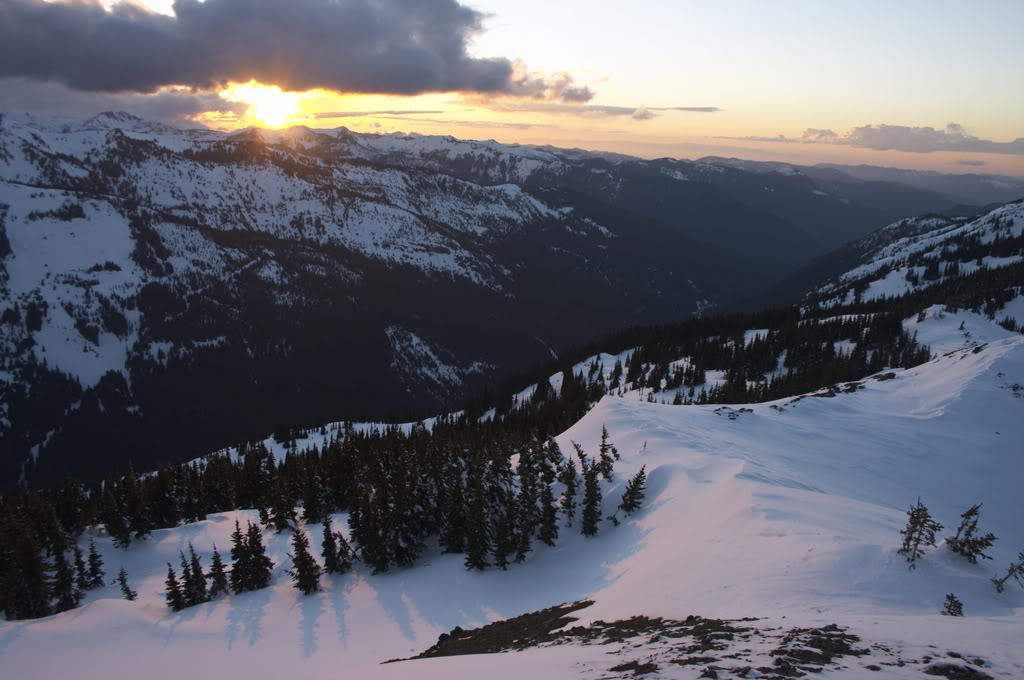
(17, 94)
(486, 124)
(953, 137)
(372, 46)
(974, 163)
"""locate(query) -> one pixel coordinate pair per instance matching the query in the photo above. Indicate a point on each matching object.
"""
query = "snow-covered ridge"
(914, 252)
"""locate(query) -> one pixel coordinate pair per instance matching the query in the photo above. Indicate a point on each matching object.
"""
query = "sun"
(268, 104)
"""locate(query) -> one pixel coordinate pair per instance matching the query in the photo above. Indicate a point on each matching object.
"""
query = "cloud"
(17, 94)
(507, 104)
(402, 47)
(953, 137)
(487, 124)
(974, 163)
(327, 115)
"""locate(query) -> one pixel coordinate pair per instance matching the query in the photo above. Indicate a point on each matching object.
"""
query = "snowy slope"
(791, 510)
(894, 260)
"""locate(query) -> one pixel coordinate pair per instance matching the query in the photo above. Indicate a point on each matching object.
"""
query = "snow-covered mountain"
(914, 254)
(778, 527)
(236, 279)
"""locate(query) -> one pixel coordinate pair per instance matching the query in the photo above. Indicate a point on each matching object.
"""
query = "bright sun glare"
(268, 104)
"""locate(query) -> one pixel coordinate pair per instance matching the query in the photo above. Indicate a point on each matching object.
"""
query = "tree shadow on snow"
(312, 607)
(245, 616)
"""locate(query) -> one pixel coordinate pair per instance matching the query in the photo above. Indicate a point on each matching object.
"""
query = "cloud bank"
(953, 137)
(403, 47)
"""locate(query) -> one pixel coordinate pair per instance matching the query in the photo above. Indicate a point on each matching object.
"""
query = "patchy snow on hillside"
(790, 512)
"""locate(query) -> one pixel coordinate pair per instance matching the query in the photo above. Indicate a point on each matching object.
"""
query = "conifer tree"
(633, 496)
(195, 587)
(568, 477)
(919, 533)
(218, 576)
(81, 571)
(953, 606)
(113, 518)
(505, 542)
(591, 499)
(282, 505)
(174, 598)
(965, 543)
(305, 572)
(548, 516)
(345, 554)
(96, 573)
(260, 566)
(608, 454)
(1015, 570)
(453, 531)
(329, 549)
(126, 590)
(240, 570)
(64, 590)
(478, 530)
(187, 581)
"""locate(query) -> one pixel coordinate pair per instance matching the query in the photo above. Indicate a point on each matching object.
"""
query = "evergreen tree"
(568, 477)
(1015, 570)
(329, 549)
(478, 530)
(63, 589)
(81, 571)
(591, 499)
(953, 606)
(548, 515)
(505, 542)
(195, 580)
(96, 573)
(282, 505)
(965, 543)
(633, 496)
(218, 576)
(608, 454)
(126, 590)
(919, 533)
(240, 570)
(113, 518)
(174, 598)
(186, 581)
(305, 572)
(260, 566)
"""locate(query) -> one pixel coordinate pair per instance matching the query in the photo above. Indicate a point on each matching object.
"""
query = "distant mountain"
(166, 291)
(163, 291)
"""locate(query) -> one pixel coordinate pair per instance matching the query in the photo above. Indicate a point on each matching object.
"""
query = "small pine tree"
(96, 573)
(63, 588)
(305, 572)
(548, 533)
(81, 571)
(636, 488)
(218, 576)
(478, 529)
(569, 479)
(261, 567)
(608, 454)
(591, 499)
(240, 570)
(329, 548)
(918, 534)
(965, 543)
(1015, 571)
(195, 588)
(187, 581)
(505, 534)
(126, 590)
(174, 597)
(953, 606)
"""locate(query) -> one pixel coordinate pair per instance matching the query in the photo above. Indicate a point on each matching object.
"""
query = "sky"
(932, 85)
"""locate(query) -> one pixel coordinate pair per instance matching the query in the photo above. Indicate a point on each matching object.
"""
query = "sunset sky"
(933, 84)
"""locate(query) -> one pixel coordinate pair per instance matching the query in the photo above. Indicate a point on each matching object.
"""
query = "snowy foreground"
(789, 512)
